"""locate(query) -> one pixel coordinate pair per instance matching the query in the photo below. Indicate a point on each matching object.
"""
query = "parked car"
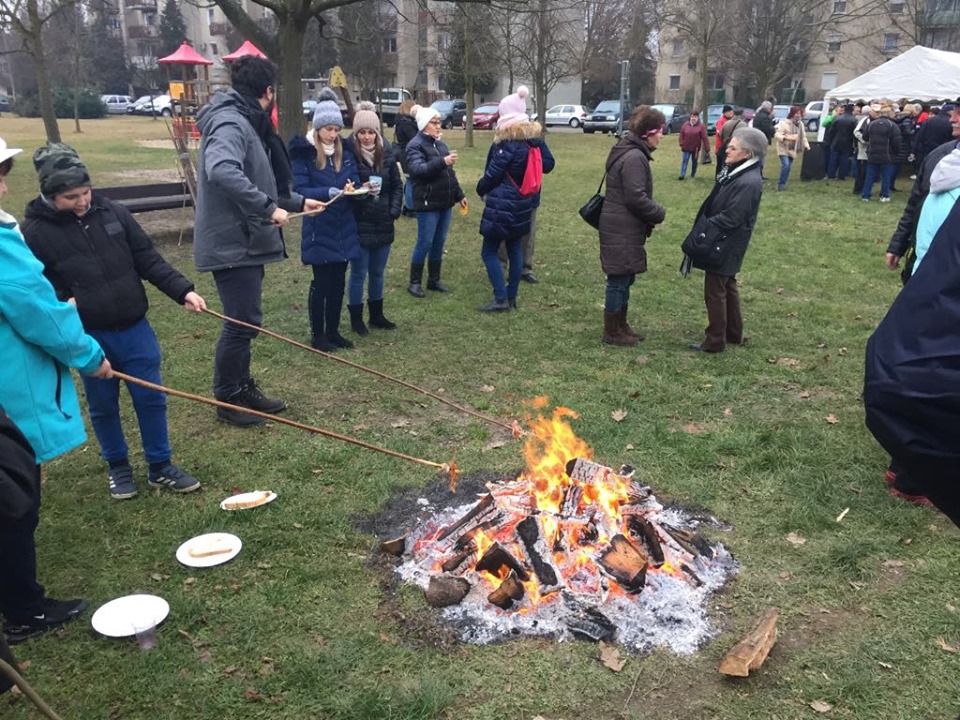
(451, 112)
(485, 116)
(157, 105)
(780, 112)
(6, 103)
(388, 100)
(676, 116)
(116, 104)
(308, 107)
(572, 115)
(812, 113)
(715, 111)
(604, 118)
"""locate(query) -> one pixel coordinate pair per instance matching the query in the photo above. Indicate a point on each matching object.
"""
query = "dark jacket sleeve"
(149, 264)
(419, 165)
(18, 472)
(737, 205)
(396, 187)
(548, 160)
(498, 159)
(635, 176)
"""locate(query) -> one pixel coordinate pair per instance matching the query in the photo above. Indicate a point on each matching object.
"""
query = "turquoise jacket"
(944, 192)
(40, 339)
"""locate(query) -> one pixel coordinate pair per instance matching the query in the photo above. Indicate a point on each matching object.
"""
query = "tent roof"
(248, 48)
(920, 73)
(185, 55)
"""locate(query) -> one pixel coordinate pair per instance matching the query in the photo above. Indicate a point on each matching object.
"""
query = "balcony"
(144, 5)
(221, 28)
(137, 32)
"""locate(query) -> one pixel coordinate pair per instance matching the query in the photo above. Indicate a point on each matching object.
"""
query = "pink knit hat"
(513, 108)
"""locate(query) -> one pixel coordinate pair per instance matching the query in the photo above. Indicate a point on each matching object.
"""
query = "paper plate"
(249, 497)
(357, 191)
(116, 618)
(210, 540)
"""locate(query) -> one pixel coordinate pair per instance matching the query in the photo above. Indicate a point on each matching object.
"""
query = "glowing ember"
(572, 547)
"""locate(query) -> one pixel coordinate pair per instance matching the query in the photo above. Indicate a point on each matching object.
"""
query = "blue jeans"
(785, 162)
(408, 194)
(133, 351)
(838, 165)
(618, 292)
(371, 263)
(488, 252)
(887, 172)
(432, 227)
(685, 158)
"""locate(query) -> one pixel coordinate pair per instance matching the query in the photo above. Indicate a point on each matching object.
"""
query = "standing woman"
(791, 139)
(322, 167)
(435, 192)
(404, 131)
(728, 215)
(375, 215)
(693, 136)
(628, 218)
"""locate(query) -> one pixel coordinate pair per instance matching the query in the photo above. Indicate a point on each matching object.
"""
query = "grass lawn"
(302, 625)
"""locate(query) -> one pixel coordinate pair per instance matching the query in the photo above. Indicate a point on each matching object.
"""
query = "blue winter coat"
(506, 213)
(40, 339)
(375, 215)
(331, 236)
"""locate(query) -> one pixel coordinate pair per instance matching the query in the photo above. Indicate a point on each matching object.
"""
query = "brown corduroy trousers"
(723, 312)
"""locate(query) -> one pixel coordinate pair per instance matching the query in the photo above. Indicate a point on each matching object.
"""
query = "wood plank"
(752, 650)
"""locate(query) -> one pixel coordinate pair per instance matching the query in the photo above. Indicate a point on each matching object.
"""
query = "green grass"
(301, 626)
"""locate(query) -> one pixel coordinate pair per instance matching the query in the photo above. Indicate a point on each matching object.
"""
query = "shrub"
(90, 106)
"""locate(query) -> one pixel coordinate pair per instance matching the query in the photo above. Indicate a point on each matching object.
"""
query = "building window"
(714, 81)
(839, 7)
(692, 64)
(674, 82)
(678, 46)
(149, 18)
(833, 43)
(891, 41)
(211, 15)
(828, 81)
(390, 44)
(443, 41)
(896, 7)
(213, 49)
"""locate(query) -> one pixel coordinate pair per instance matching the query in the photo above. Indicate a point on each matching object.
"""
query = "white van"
(388, 103)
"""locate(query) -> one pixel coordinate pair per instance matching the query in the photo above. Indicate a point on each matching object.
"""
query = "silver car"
(572, 115)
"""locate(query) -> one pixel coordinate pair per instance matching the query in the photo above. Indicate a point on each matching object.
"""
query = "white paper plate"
(184, 556)
(357, 191)
(116, 618)
(247, 497)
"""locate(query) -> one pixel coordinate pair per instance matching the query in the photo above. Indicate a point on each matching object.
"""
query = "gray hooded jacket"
(236, 191)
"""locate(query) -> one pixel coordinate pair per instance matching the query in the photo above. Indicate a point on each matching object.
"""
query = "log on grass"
(444, 590)
(396, 546)
(752, 650)
(625, 563)
(510, 590)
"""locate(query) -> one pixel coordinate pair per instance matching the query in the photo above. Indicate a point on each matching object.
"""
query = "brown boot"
(613, 332)
(625, 326)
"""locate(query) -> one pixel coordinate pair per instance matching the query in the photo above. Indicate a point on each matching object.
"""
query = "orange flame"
(547, 450)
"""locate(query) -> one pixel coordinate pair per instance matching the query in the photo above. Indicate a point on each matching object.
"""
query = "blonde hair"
(406, 106)
(322, 156)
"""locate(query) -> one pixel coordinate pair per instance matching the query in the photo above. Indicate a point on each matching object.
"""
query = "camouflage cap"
(59, 169)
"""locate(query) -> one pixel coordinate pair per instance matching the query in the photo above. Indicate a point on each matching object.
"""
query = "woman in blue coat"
(322, 167)
(508, 205)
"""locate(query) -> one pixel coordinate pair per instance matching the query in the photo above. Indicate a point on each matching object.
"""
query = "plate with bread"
(209, 550)
(247, 500)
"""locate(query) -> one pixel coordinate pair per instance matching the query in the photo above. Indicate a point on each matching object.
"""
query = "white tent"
(920, 73)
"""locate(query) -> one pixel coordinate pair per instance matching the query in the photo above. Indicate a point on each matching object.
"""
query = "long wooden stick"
(449, 468)
(25, 688)
(514, 428)
(308, 213)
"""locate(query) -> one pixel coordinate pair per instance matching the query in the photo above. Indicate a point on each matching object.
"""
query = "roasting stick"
(310, 213)
(514, 427)
(449, 468)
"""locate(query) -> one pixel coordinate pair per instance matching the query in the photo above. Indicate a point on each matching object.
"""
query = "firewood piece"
(445, 590)
(693, 576)
(466, 540)
(644, 529)
(496, 557)
(752, 650)
(486, 502)
(397, 546)
(571, 501)
(452, 563)
(530, 531)
(625, 563)
(586, 621)
(510, 590)
(692, 542)
(638, 493)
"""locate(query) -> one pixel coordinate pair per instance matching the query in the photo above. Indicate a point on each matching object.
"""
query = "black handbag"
(706, 246)
(591, 209)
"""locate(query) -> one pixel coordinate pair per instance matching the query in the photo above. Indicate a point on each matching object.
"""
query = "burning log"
(397, 546)
(643, 528)
(587, 622)
(625, 563)
(530, 531)
(693, 576)
(475, 516)
(496, 557)
(451, 564)
(638, 493)
(444, 590)
(693, 543)
(752, 650)
(571, 501)
(510, 590)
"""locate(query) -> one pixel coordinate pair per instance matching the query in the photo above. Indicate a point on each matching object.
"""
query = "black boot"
(316, 309)
(416, 280)
(433, 276)
(377, 318)
(356, 319)
(334, 305)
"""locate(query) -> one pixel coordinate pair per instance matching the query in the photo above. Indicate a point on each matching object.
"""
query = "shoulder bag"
(591, 210)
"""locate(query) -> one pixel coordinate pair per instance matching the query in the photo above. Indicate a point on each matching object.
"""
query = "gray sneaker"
(122, 486)
(174, 478)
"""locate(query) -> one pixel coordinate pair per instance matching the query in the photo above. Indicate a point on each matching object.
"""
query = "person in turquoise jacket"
(41, 338)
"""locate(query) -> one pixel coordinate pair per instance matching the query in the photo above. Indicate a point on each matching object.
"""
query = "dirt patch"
(156, 144)
(168, 226)
(153, 176)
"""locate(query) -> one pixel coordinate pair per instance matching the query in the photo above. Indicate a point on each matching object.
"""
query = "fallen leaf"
(841, 351)
(882, 664)
(298, 526)
(951, 608)
(893, 563)
(359, 426)
(779, 291)
(487, 388)
(641, 360)
(821, 707)
(804, 395)
(399, 423)
(610, 656)
(842, 515)
(858, 317)
(629, 446)
(791, 314)
(692, 428)
(831, 419)
(251, 695)
(507, 687)
(158, 577)
(946, 647)
(204, 656)
(493, 445)
(618, 415)
(796, 539)
(230, 670)
(727, 412)
(785, 361)
(821, 345)
(15, 691)
(785, 575)
(264, 565)
(189, 581)
(25, 665)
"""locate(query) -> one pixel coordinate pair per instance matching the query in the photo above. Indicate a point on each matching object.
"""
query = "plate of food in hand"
(209, 550)
(248, 500)
(350, 190)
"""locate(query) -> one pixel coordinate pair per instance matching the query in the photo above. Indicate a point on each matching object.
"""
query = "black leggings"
(326, 299)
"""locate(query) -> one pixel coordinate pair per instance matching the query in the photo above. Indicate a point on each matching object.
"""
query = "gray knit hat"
(59, 169)
(327, 111)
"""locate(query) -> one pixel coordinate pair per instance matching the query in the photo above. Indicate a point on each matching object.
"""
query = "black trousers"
(240, 291)
(21, 596)
(326, 299)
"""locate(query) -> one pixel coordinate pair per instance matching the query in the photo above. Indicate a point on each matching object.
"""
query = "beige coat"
(791, 138)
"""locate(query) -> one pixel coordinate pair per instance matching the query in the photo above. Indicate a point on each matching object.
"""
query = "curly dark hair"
(252, 76)
(643, 119)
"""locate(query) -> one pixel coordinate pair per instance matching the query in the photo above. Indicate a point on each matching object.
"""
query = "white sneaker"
(884, 199)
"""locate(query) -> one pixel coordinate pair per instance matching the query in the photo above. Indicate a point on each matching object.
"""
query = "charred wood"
(643, 529)
(396, 547)
(530, 531)
(496, 557)
(624, 563)
(571, 501)
(692, 542)
(485, 505)
(693, 576)
(444, 590)
(455, 561)
(510, 590)
(638, 493)
(587, 622)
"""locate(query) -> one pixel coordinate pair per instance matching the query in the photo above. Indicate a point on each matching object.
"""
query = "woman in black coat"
(404, 131)
(726, 219)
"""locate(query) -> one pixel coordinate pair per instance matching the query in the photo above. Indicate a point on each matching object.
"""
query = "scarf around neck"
(260, 120)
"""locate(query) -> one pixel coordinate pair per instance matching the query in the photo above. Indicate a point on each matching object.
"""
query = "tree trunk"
(702, 61)
(34, 43)
(290, 34)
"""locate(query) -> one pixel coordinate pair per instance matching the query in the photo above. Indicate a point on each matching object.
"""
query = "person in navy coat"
(322, 167)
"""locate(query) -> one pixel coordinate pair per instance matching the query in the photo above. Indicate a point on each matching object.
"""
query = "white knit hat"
(423, 115)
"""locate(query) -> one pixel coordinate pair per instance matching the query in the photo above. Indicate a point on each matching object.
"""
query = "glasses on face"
(433, 122)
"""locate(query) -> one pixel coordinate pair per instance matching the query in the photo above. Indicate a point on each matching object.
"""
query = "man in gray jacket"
(243, 197)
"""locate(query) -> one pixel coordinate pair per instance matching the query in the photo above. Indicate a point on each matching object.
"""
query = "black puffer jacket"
(884, 141)
(100, 260)
(842, 141)
(932, 134)
(403, 132)
(435, 185)
(375, 215)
